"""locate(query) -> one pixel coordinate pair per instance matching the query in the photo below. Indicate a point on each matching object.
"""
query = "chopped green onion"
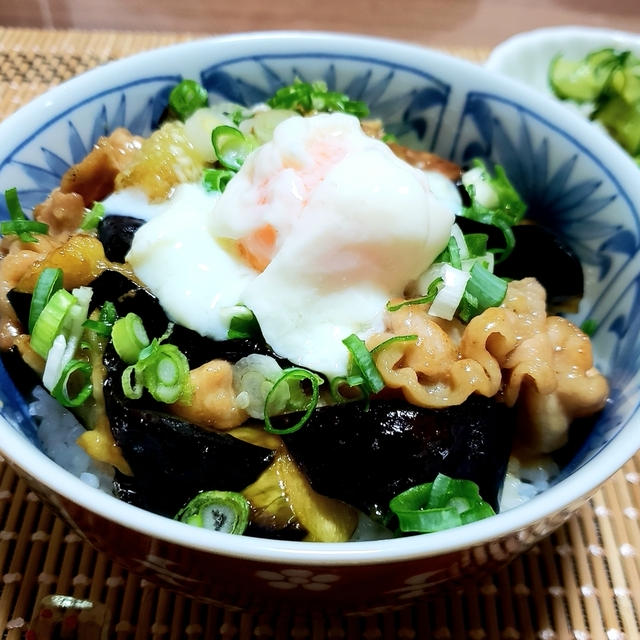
(243, 325)
(432, 292)
(363, 365)
(68, 337)
(494, 201)
(50, 321)
(23, 229)
(484, 290)
(589, 326)
(389, 138)
(357, 381)
(231, 146)
(313, 97)
(446, 303)
(383, 345)
(161, 368)
(239, 115)
(60, 391)
(19, 224)
(49, 281)
(349, 381)
(216, 179)
(253, 378)
(165, 372)
(442, 504)
(454, 253)
(93, 216)
(476, 244)
(106, 319)
(288, 375)
(186, 97)
(224, 511)
(129, 337)
(134, 390)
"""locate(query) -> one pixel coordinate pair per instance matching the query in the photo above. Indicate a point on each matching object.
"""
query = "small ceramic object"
(526, 57)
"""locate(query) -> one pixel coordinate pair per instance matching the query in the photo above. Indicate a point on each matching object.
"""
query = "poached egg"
(316, 232)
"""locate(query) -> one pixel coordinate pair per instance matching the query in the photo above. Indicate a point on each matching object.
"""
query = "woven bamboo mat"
(583, 582)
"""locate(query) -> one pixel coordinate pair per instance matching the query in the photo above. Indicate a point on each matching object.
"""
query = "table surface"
(434, 22)
(582, 582)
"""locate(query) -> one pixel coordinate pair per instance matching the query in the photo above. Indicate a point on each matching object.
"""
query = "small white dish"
(526, 56)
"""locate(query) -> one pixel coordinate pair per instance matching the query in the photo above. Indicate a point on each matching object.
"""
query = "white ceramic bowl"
(575, 179)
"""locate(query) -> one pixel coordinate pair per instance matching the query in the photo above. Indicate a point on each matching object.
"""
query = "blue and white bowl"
(575, 180)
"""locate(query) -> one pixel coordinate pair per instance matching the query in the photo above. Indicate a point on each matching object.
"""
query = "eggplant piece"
(110, 286)
(116, 234)
(538, 253)
(21, 374)
(21, 303)
(542, 254)
(290, 532)
(172, 460)
(366, 457)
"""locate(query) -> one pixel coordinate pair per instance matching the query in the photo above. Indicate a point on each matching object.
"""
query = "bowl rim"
(559, 499)
(501, 53)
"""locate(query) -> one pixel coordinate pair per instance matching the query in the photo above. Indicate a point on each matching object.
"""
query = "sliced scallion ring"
(23, 229)
(224, 511)
(106, 319)
(216, 179)
(19, 224)
(129, 337)
(186, 97)
(483, 290)
(243, 324)
(442, 504)
(61, 393)
(49, 281)
(454, 253)
(288, 375)
(387, 343)
(336, 383)
(134, 390)
(93, 216)
(50, 321)
(165, 373)
(363, 364)
(231, 146)
(432, 292)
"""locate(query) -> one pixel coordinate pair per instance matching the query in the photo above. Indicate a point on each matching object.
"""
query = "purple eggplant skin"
(116, 234)
(539, 253)
(171, 459)
(367, 456)
(21, 303)
(22, 375)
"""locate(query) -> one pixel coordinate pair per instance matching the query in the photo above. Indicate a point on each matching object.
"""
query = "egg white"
(196, 280)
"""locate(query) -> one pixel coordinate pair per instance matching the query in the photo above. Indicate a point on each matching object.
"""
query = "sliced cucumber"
(610, 81)
(581, 80)
(622, 120)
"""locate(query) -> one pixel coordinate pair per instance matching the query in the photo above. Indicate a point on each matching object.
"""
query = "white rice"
(58, 430)
(524, 480)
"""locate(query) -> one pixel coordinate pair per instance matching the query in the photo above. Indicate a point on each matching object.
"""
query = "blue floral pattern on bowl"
(37, 165)
(569, 191)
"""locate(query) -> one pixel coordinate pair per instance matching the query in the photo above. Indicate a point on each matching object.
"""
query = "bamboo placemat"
(582, 582)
